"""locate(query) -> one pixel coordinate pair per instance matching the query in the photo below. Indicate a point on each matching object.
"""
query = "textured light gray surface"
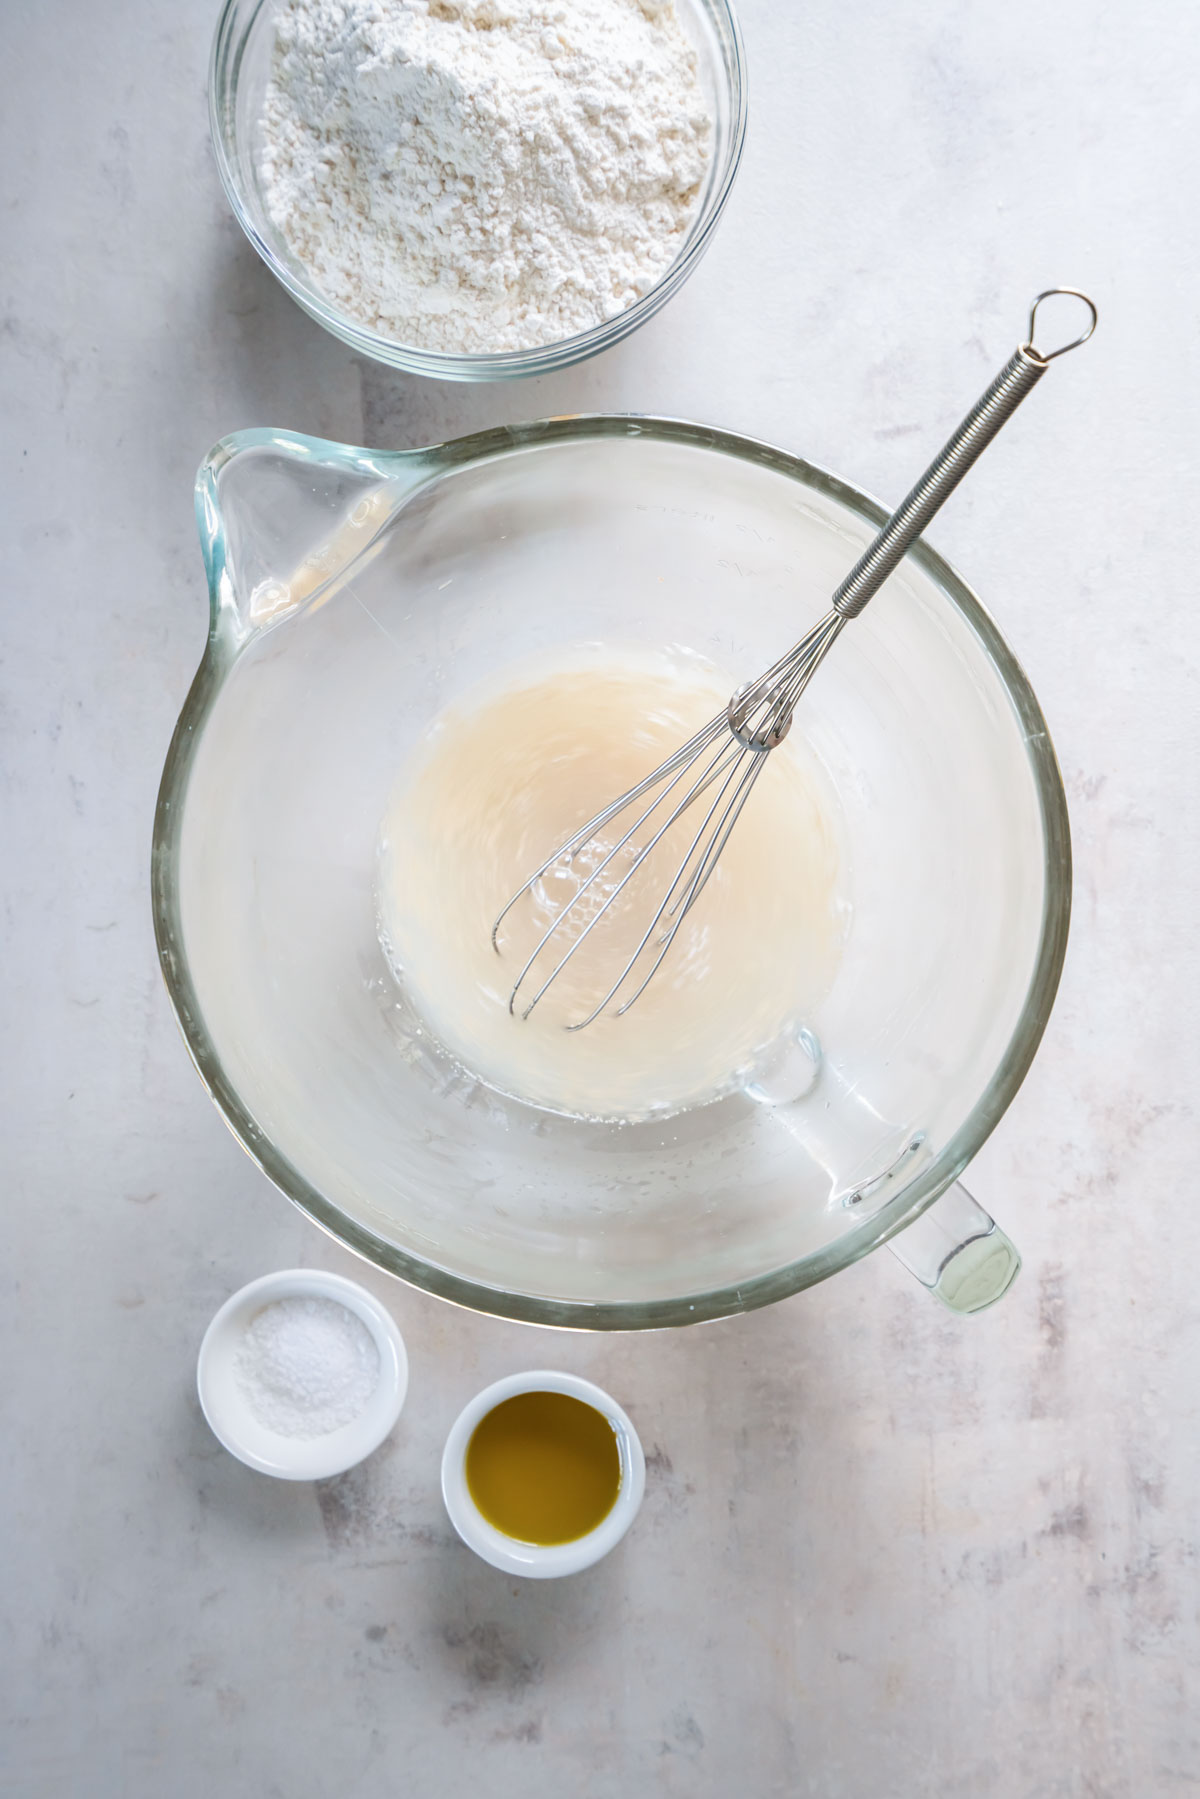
(883, 1553)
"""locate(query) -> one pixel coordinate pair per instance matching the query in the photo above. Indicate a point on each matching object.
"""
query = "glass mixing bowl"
(353, 595)
(238, 72)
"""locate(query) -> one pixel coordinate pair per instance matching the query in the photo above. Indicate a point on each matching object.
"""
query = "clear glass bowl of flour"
(238, 76)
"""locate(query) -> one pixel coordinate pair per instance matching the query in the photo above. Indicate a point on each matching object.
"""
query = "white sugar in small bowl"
(227, 1407)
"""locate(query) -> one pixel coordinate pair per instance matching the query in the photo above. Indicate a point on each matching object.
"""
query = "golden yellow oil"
(544, 1467)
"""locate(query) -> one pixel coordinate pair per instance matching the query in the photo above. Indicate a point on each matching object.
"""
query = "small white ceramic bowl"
(532, 1559)
(228, 1412)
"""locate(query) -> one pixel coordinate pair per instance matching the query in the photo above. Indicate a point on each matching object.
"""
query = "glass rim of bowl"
(945, 1165)
(225, 62)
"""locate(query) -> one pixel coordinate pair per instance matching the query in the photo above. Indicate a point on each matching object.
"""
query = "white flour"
(482, 175)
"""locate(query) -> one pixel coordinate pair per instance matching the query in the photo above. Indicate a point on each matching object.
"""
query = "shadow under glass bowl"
(238, 75)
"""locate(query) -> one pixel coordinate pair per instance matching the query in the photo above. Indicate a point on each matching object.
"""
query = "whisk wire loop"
(722, 756)
(731, 761)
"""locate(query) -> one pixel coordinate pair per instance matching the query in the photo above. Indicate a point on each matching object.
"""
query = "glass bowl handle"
(274, 547)
(959, 1252)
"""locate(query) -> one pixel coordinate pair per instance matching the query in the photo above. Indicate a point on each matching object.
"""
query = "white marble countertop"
(884, 1552)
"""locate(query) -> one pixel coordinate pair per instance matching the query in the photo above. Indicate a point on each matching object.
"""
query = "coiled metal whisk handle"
(1019, 376)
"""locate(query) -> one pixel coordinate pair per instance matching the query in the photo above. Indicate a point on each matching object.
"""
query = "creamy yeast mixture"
(507, 774)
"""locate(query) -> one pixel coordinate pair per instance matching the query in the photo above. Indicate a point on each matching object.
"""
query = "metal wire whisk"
(729, 753)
